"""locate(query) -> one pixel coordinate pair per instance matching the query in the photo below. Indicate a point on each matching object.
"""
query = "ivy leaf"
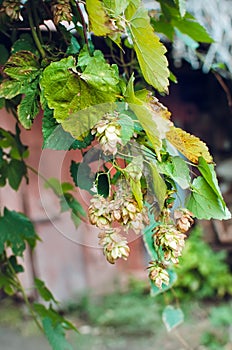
(189, 145)
(55, 335)
(177, 169)
(15, 230)
(172, 317)
(97, 17)
(149, 50)
(127, 128)
(204, 203)
(16, 170)
(159, 185)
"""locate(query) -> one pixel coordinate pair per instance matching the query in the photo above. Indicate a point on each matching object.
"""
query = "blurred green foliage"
(202, 272)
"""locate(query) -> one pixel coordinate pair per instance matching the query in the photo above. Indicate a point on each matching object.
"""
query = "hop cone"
(11, 8)
(61, 11)
(107, 132)
(114, 245)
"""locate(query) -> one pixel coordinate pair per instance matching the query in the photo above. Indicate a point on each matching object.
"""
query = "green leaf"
(190, 27)
(116, 7)
(28, 108)
(193, 44)
(67, 91)
(53, 315)
(68, 202)
(12, 141)
(149, 50)
(127, 128)
(177, 169)
(15, 230)
(82, 176)
(23, 66)
(80, 123)
(25, 42)
(100, 75)
(55, 185)
(44, 292)
(16, 170)
(11, 88)
(164, 27)
(152, 115)
(148, 237)
(74, 46)
(54, 136)
(4, 54)
(208, 173)
(97, 17)
(204, 202)
(133, 173)
(159, 185)
(55, 335)
(172, 317)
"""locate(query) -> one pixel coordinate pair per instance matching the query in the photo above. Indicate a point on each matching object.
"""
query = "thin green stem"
(34, 33)
(77, 11)
(25, 297)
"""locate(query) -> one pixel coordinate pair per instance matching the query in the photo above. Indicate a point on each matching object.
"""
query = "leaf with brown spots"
(190, 146)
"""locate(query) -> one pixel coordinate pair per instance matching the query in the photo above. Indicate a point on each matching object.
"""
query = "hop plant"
(183, 219)
(171, 240)
(158, 274)
(107, 132)
(99, 211)
(61, 11)
(114, 244)
(11, 8)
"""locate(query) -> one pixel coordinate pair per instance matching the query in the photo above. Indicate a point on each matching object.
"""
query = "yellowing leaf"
(149, 50)
(190, 146)
(97, 18)
(152, 115)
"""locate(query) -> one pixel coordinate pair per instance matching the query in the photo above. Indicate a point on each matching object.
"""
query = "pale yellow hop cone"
(114, 245)
(184, 219)
(107, 132)
(158, 274)
(170, 240)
